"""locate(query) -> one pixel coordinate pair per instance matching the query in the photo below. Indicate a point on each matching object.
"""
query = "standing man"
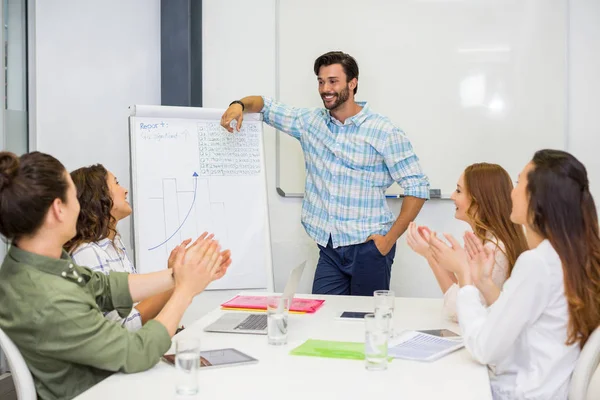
(352, 156)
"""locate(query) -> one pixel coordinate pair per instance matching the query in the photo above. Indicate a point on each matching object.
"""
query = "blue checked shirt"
(349, 167)
(105, 256)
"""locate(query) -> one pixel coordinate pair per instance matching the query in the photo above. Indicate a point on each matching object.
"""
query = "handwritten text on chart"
(160, 136)
(157, 125)
(225, 154)
(160, 131)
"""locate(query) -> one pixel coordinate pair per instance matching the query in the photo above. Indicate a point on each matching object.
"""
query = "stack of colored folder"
(259, 303)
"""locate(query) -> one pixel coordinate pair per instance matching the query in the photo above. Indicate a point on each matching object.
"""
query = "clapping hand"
(453, 258)
(481, 260)
(178, 248)
(418, 239)
(200, 264)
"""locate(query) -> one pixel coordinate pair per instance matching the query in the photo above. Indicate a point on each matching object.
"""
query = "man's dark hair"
(338, 57)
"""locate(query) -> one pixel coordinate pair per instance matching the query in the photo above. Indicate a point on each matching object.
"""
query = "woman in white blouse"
(98, 245)
(532, 333)
(482, 199)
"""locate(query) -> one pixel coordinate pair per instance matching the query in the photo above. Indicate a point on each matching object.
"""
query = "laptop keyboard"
(255, 322)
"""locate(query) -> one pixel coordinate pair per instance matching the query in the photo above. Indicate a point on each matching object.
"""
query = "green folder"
(328, 349)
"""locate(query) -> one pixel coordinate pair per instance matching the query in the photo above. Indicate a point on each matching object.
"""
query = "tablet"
(350, 315)
(441, 333)
(218, 358)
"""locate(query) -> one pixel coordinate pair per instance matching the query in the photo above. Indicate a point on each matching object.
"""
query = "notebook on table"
(245, 303)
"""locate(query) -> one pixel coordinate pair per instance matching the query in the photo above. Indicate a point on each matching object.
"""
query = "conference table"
(279, 375)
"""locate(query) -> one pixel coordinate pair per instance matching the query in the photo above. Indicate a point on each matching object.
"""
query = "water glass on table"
(376, 342)
(384, 306)
(277, 320)
(187, 364)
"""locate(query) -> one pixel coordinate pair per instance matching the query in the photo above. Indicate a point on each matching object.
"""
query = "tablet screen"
(215, 358)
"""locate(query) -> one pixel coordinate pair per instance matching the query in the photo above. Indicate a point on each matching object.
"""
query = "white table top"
(279, 375)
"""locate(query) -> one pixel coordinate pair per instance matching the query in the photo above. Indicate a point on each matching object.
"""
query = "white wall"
(584, 88)
(96, 58)
(93, 60)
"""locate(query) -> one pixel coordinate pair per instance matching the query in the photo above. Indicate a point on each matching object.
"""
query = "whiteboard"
(467, 81)
(190, 176)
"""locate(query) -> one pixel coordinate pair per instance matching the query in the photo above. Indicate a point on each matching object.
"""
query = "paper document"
(419, 346)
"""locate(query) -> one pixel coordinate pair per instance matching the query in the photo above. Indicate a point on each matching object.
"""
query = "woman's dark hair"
(28, 186)
(338, 57)
(95, 221)
(562, 210)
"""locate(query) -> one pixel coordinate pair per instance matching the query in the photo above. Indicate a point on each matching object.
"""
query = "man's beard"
(341, 98)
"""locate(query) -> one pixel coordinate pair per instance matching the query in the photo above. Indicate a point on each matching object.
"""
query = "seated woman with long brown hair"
(482, 199)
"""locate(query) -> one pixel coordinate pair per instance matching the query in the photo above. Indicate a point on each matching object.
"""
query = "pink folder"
(260, 303)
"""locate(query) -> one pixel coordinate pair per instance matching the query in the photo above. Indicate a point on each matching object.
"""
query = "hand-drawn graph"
(166, 200)
(188, 213)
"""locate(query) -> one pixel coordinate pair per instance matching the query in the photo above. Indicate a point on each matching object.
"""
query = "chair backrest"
(586, 366)
(594, 387)
(20, 373)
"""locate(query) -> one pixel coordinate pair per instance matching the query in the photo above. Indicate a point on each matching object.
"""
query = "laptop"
(255, 324)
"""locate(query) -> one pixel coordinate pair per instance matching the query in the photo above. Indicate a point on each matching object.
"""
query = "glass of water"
(384, 306)
(376, 342)
(187, 364)
(277, 320)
